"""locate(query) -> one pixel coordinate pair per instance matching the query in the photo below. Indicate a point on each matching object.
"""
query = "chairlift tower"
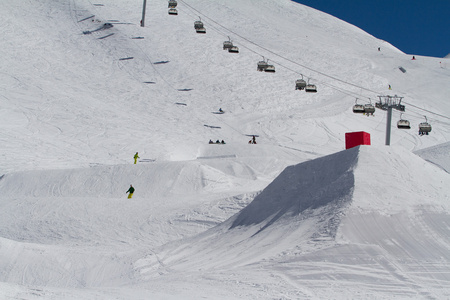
(387, 103)
(143, 13)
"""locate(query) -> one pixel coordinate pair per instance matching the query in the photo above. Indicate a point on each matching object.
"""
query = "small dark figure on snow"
(211, 142)
(131, 191)
(223, 142)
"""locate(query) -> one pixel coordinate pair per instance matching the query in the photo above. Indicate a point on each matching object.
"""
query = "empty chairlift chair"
(233, 49)
(403, 124)
(269, 68)
(358, 108)
(172, 3)
(173, 11)
(300, 84)
(310, 88)
(198, 25)
(424, 128)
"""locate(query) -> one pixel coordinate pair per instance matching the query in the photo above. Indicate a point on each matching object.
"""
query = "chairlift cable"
(276, 54)
(301, 65)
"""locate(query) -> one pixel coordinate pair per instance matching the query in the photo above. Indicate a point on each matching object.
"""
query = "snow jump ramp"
(341, 214)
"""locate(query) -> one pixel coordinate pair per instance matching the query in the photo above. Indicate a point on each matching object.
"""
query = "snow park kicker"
(338, 214)
(291, 217)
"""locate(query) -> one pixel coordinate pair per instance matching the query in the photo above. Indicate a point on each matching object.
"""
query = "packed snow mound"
(151, 180)
(304, 208)
(308, 185)
(438, 155)
(348, 177)
(392, 179)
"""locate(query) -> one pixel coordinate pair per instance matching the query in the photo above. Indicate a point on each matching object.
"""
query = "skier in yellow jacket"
(136, 156)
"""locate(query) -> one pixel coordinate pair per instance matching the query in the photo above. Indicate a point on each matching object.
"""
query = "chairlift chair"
(424, 128)
(358, 109)
(310, 88)
(403, 124)
(369, 109)
(227, 45)
(198, 24)
(233, 49)
(270, 69)
(262, 65)
(300, 84)
(173, 11)
(201, 30)
(172, 3)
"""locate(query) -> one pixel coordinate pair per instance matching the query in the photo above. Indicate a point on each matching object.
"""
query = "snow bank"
(333, 208)
(438, 155)
(308, 185)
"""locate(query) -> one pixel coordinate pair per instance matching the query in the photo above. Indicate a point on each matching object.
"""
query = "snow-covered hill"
(68, 100)
(335, 217)
(291, 217)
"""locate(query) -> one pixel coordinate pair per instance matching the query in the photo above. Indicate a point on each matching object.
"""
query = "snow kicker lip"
(308, 185)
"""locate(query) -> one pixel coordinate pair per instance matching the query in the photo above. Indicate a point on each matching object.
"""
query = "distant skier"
(414, 58)
(220, 110)
(131, 191)
(390, 87)
(253, 140)
(136, 156)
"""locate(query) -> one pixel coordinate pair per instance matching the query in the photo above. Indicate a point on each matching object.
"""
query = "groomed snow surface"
(293, 217)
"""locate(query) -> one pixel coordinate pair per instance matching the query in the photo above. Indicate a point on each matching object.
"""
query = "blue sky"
(413, 26)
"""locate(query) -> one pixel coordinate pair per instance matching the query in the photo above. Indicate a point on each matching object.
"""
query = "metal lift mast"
(387, 103)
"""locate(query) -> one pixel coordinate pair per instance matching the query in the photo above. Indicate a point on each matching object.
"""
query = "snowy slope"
(323, 218)
(438, 155)
(291, 217)
(68, 100)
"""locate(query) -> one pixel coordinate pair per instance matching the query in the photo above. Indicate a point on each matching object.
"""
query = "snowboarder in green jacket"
(131, 191)
(136, 156)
